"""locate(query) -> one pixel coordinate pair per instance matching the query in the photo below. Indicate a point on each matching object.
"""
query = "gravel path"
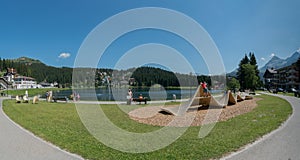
(281, 144)
(152, 115)
(19, 144)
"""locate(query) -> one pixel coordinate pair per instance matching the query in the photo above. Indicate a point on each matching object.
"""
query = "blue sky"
(53, 31)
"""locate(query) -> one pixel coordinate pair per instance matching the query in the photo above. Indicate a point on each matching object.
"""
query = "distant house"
(46, 85)
(132, 81)
(286, 77)
(10, 74)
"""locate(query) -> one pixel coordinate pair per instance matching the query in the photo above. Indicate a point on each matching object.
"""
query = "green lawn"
(31, 91)
(60, 124)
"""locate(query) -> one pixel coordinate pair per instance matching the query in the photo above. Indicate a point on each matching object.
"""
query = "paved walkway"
(19, 144)
(281, 144)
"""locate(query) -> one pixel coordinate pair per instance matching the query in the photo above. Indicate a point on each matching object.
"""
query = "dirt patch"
(194, 117)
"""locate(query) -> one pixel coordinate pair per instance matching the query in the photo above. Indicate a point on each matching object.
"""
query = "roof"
(24, 77)
(45, 84)
(272, 70)
(269, 72)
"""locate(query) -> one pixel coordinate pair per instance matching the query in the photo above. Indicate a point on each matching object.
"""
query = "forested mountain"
(38, 70)
(143, 76)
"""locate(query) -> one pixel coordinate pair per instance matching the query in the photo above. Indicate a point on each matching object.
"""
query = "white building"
(23, 82)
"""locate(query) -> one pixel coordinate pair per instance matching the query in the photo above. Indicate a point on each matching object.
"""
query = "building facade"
(23, 82)
(19, 82)
(285, 78)
(270, 78)
(288, 77)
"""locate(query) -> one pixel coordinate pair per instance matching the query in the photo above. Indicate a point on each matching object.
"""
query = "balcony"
(292, 77)
(292, 71)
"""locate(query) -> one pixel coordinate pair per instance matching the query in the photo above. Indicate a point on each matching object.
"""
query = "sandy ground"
(194, 117)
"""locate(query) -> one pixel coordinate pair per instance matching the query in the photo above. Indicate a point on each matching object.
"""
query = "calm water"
(119, 94)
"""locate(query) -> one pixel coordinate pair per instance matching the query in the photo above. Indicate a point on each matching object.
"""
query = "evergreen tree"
(250, 76)
(248, 72)
(4, 64)
(1, 65)
(254, 63)
(241, 72)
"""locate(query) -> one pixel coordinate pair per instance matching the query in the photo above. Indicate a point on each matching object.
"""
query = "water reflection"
(119, 94)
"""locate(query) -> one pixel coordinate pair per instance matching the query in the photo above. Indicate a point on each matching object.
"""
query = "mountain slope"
(26, 60)
(277, 62)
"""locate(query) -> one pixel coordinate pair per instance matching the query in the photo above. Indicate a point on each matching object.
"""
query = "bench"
(145, 99)
(55, 99)
(251, 93)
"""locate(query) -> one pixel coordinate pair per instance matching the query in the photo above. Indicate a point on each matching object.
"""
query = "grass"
(31, 91)
(60, 124)
(286, 94)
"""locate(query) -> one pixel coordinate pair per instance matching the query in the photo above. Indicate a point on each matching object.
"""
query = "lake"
(119, 94)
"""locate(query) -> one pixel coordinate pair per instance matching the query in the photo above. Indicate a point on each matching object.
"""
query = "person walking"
(78, 97)
(26, 94)
(129, 97)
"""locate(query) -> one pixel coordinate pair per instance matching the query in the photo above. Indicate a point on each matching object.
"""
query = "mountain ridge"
(27, 60)
(275, 62)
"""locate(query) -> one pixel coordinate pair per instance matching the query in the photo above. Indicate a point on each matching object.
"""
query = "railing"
(292, 71)
(291, 77)
(3, 83)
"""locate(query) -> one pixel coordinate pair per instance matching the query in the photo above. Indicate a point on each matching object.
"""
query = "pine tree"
(250, 78)
(248, 72)
(1, 65)
(254, 63)
(4, 64)
(241, 73)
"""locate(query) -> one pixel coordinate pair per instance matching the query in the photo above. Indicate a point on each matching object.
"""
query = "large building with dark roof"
(270, 78)
(286, 77)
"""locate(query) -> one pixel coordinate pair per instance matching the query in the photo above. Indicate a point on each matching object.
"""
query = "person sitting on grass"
(141, 98)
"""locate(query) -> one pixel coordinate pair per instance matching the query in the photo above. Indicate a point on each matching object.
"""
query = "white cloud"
(298, 50)
(263, 59)
(272, 55)
(64, 55)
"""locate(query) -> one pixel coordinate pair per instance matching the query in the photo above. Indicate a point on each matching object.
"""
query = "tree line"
(143, 76)
(148, 76)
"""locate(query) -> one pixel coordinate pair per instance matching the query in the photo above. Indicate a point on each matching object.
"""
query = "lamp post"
(190, 84)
